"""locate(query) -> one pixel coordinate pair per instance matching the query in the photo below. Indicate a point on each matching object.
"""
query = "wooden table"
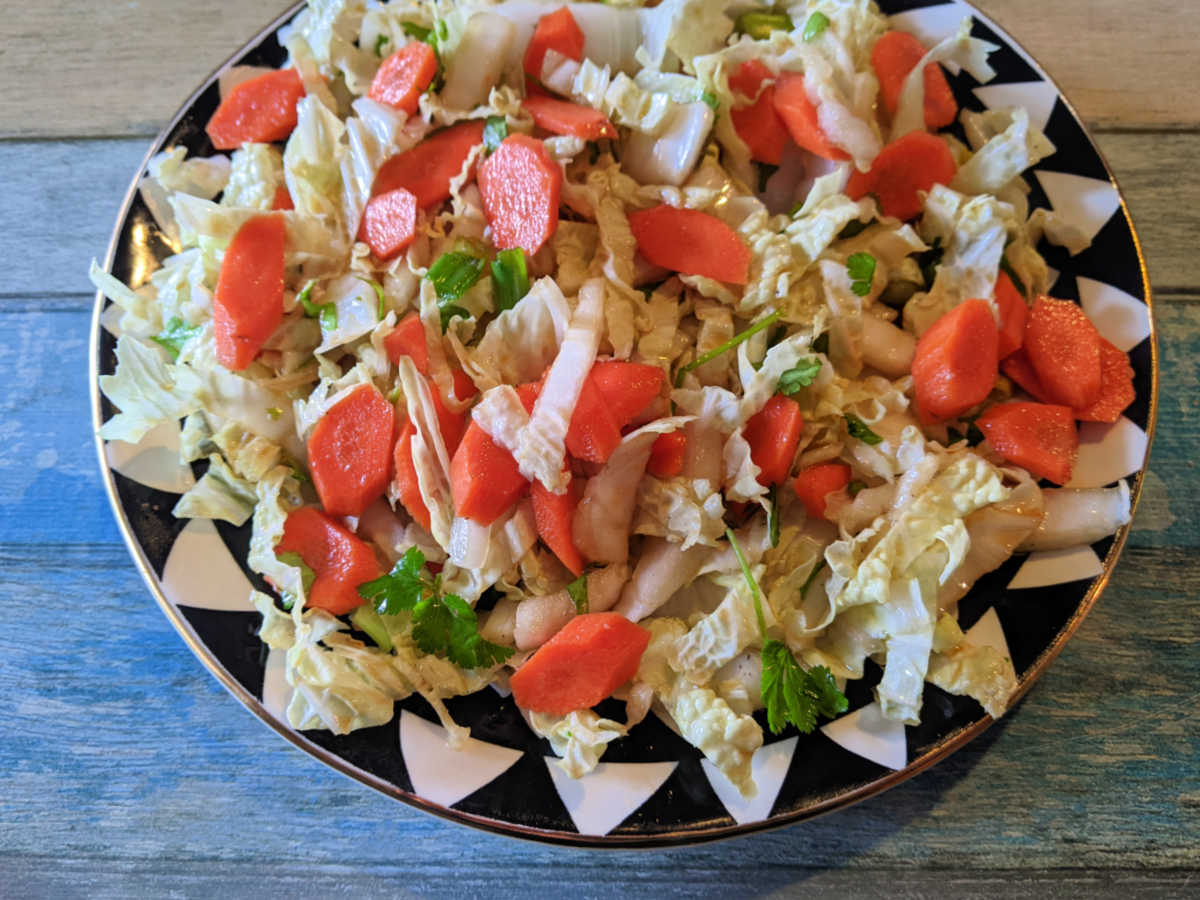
(126, 769)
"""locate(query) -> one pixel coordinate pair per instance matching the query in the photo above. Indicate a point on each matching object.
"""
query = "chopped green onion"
(578, 592)
(448, 312)
(859, 430)
(454, 273)
(1007, 268)
(855, 487)
(773, 514)
(273, 413)
(712, 354)
(816, 23)
(759, 24)
(495, 129)
(510, 278)
(312, 310)
(420, 32)
(711, 99)
(176, 334)
(329, 317)
(378, 294)
(801, 375)
(861, 268)
(380, 40)
(749, 576)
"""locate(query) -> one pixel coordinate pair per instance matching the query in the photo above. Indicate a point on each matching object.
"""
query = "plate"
(653, 788)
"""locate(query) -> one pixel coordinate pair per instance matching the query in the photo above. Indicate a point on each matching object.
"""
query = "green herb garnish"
(495, 129)
(723, 348)
(801, 375)
(773, 514)
(861, 268)
(858, 429)
(855, 487)
(578, 592)
(711, 100)
(175, 335)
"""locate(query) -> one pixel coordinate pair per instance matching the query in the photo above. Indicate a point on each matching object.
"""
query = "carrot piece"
(555, 31)
(389, 223)
(283, 199)
(248, 301)
(260, 111)
(561, 117)
(553, 513)
(955, 366)
(1116, 388)
(758, 125)
(1018, 367)
(1039, 437)
(773, 434)
(349, 451)
(915, 162)
(589, 658)
(484, 478)
(426, 169)
(593, 434)
(464, 387)
(800, 116)
(628, 388)
(692, 242)
(528, 393)
(408, 339)
(814, 485)
(404, 478)
(402, 77)
(521, 186)
(666, 454)
(894, 55)
(1013, 314)
(1064, 348)
(340, 560)
(451, 424)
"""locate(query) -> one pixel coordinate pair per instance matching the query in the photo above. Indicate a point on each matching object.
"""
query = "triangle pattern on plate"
(201, 573)
(444, 775)
(769, 768)
(607, 796)
(988, 632)
(1086, 203)
(931, 24)
(1038, 97)
(1123, 320)
(1108, 452)
(1047, 567)
(276, 692)
(866, 733)
(153, 461)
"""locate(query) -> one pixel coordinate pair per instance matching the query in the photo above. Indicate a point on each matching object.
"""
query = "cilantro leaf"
(578, 592)
(175, 335)
(710, 99)
(823, 690)
(816, 23)
(801, 375)
(402, 588)
(858, 429)
(861, 268)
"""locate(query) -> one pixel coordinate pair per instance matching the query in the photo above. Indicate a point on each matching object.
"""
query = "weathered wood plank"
(1117, 64)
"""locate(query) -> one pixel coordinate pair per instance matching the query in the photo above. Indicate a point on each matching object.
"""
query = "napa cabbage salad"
(690, 354)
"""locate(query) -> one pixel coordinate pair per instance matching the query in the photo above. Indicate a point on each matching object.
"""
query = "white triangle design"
(988, 632)
(444, 775)
(866, 733)
(1036, 96)
(1051, 279)
(607, 796)
(1122, 319)
(1086, 203)
(1108, 453)
(1047, 567)
(153, 461)
(931, 24)
(768, 767)
(276, 692)
(201, 572)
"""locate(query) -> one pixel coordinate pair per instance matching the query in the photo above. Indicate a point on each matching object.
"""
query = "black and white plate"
(653, 788)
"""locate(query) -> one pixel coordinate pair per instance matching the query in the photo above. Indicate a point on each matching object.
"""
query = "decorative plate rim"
(948, 744)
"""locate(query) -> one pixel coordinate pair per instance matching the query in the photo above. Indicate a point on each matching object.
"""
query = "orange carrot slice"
(1116, 387)
(485, 480)
(628, 388)
(283, 199)
(426, 169)
(553, 514)
(1064, 348)
(248, 301)
(340, 560)
(758, 125)
(1013, 315)
(667, 454)
(800, 116)
(692, 242)
(955, 365)
(402, 77)
(773, 434)
(894, 55)
(404, 478)
(555, 31)
(1039, 437)
(389, 223)
(814, 485)
(408, 339)
(349, 451)
(521, 186)
(592, 434)
(561, 117)
(915, 162)
(1018, 367)
(261, 110)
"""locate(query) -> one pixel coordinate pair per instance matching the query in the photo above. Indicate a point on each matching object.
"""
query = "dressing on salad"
(668, 353)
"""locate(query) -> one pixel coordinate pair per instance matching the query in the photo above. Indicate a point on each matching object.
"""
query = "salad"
(687, 354)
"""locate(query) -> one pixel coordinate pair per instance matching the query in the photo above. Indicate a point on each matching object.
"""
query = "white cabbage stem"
(1074, 517)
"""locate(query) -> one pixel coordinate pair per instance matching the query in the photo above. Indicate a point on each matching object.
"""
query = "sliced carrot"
(553, 513)
(427, 169)
(349, 451)
(800, 116)
(628, 388)
(1039, 437)
(758, 125)
(389, 222)
(451, 424)
(692, 242)
(915, 162)
(1013, 314)
(521, 186)
(589, 658)
(814, 485)
(561, 117)
(555, 31)
(408, 339)
(404, 478)
(773, 434)
(528, 393)
(464, 387)
(283, 199)
(894, 55)
(259, 111)
(666, 454)
(248, 301)
(1116, 388)
(1064, 348)
(402, 77)
(1018, 367)
(592, 434)
(955, 365)
(484, 478)
(340, 560)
